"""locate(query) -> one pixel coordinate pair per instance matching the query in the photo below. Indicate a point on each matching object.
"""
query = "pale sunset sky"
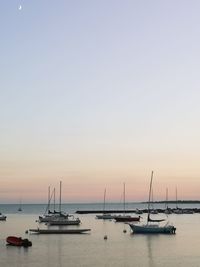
(97, 93)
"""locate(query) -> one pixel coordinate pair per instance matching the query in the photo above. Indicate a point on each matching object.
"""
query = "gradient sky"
(97, 93)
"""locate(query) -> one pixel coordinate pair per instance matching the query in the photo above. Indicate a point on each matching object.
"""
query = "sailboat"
(124, 217)
(57, 217)
(177, 210)
(104, 216)
(167, 209)
(2, 217)
(20, 205)
(152, 226)
(48, 215)
(66, 219)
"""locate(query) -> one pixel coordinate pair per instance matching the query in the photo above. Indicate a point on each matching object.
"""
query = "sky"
(97, 94)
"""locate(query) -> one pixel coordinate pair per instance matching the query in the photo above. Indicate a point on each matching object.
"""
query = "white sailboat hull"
(65, 222)
(52, 217)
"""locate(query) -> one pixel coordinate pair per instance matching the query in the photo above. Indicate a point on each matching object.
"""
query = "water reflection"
(91, 250)
(59, 254)
(54, 250)
(150, 239)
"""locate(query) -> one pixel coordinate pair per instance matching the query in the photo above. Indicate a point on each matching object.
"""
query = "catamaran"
(153, 225)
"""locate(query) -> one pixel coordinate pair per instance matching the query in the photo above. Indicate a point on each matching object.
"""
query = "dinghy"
(18, 241)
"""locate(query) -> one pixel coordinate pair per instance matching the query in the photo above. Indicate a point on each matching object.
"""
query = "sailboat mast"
(176, 199)
(124, 198)
(151, 199)
(60, 197)
(149, 196)
(48, 207)
(54, 199)
(104, 200)
(167, 198)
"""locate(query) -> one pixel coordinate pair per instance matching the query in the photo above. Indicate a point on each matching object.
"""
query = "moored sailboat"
(167, 209)
(20, 205)
(177, 210)
(104, 215)
(58, 218)
(49, 215)
(2, 217)
(153, 225)
(124, 217)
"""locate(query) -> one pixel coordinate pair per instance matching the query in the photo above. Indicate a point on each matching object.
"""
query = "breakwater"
(181, 211)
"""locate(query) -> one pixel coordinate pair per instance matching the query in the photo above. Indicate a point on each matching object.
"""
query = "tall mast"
(48, 203)
(176, 199)
(150, 196)
(104, 200)
(54, 199)
(48, 206)
(166, 205)
(124, 198)
(60, 197)
(151, 200)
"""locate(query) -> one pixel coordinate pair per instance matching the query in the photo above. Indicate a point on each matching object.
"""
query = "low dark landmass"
(184, 209)
(174, 202)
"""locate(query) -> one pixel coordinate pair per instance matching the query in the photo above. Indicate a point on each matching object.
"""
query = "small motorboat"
(18, 241)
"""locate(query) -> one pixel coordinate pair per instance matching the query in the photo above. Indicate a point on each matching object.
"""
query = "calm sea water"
(120, 249)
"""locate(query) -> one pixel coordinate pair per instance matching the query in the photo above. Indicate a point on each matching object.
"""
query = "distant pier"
(105, 211)
(184, 211)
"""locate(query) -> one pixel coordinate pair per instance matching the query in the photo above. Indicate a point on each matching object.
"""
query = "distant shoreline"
(128, 202)
(174, 202)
